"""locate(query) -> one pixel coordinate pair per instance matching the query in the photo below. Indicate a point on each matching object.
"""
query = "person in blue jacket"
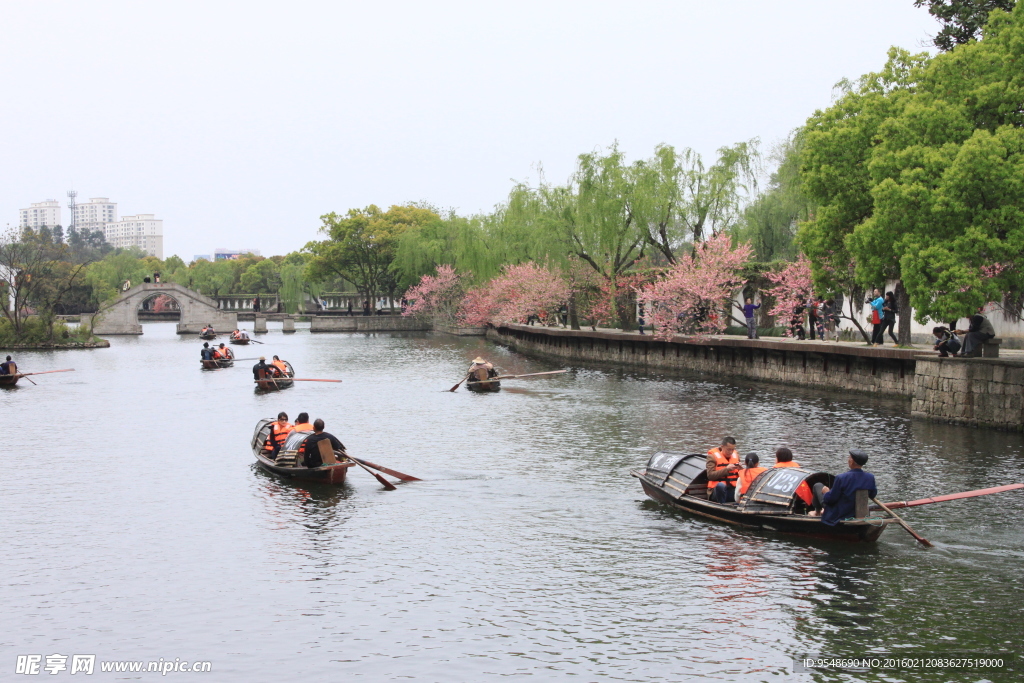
(839, 500)
(877, 308)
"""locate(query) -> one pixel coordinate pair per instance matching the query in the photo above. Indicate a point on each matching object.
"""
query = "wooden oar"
(952, 496)
(45, 372)
(532, 374)
(393, 473)
(387, 484)
(460, 383)
(33, 383)
(920, 539)
(294, 379)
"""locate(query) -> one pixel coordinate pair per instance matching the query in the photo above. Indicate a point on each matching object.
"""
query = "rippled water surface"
(135, 525)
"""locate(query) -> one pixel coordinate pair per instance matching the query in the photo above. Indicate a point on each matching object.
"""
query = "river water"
(136, 527)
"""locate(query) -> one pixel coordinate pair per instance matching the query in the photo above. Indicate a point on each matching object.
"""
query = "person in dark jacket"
(262, 365)
(207, 352)
(978, 332)
(889, 312)
(839, 501)
(311, 450)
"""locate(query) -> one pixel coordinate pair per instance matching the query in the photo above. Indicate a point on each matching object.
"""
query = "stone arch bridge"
(121, 316)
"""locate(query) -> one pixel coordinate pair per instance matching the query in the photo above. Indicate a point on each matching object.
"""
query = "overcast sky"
(240, 123)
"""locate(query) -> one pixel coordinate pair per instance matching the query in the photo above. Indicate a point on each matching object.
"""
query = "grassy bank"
(36, 334)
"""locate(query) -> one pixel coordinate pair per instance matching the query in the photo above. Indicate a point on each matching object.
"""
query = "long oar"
(920, 539)
(393, 473)
(460, 383)
(45, 372)
(294, 379)
(387, 484)
(953, 496)
(532, 374)
(33, 383)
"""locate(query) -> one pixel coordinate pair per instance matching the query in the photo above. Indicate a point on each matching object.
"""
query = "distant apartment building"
(95, 214)
(144, 231)
(233, 254)
(41, 214)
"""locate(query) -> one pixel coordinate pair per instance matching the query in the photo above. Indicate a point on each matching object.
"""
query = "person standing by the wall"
(877, 304)
(889, 311)
(748, 314)
(256, 304)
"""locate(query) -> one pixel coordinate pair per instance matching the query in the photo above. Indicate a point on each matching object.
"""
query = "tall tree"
(962, 20)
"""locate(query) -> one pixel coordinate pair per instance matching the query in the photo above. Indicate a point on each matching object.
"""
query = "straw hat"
(263, 357)
(478, 359)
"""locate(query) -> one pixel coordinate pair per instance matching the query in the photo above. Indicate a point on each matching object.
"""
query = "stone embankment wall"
(981, 392)
(367, 323)
(849, 368)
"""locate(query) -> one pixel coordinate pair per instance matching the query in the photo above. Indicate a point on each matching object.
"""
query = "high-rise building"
(95, 214)
(41, 214)
(221, 254)
(144, 231)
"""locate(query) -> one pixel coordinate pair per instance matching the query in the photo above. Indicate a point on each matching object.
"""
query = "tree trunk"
(574, 321)
(903, 302)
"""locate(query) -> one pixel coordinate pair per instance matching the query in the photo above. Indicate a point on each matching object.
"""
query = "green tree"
(262, 277)
(362, 245)
(106, 276)
(838, 144)
(962, 20)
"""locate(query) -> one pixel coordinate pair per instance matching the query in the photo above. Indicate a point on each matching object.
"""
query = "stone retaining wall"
(847, 368)
(367, 323)
(981, 392)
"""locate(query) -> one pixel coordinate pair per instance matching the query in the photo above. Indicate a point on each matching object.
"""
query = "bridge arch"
(121, 316)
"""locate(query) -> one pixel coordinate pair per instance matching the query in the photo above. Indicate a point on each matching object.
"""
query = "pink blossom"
(793, 286)
(517, 293)
(437, 296)
(693, 293)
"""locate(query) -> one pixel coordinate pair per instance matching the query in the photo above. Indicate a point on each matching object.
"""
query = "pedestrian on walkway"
(748, 313)
(889, 311)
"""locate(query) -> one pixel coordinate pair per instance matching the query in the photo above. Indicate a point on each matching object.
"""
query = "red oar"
(951, 496)
(384, 482)
(46, 372)
(294, 379)
(393, 473)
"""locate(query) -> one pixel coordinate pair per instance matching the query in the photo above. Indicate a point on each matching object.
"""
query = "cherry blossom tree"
(693, 295)
(791, 288)
(438, 297)
(513, 296)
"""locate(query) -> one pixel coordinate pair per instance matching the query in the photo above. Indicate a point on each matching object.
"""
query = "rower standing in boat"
(309, 449)
(5, 367)
(721, 467)
(839, 501)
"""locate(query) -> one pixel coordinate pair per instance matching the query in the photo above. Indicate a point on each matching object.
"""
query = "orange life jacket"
(720, 462)
(303, 427)
(278, 433)
(280, 365)
(803, 491)
(747, 477)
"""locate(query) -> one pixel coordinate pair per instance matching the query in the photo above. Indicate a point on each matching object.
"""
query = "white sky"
(241, 123)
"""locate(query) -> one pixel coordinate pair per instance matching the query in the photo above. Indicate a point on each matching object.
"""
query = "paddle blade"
(393, 473)
(384, 482)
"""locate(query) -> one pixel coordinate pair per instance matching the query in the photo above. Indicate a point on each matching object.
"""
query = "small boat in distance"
(266, 382)
(11, 379)
(288, 464)
(680, 481)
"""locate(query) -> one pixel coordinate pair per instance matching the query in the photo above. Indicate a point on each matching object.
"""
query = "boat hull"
(327, 474)
(214, 364)
(867, 530)
(9, 380)
(265, 383)
(240, 342)
(483, 387)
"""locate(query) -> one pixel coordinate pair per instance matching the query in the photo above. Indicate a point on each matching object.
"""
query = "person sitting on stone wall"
(977, 333)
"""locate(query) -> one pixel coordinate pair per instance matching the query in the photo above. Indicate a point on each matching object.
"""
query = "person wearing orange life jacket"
(278, 433)
(784, 458)
(722, 469)
(222, 352)
(282, 367)
(747, 475)
(302, 423)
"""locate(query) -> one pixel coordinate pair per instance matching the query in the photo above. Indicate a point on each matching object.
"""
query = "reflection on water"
(138, 527)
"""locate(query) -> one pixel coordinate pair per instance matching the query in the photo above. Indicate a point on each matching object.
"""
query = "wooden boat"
(288, 465)
(267, 383)
(9, 380)
(240, 341)
(680, 481)
(479, 381)
(218, 363)
(208, 335)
